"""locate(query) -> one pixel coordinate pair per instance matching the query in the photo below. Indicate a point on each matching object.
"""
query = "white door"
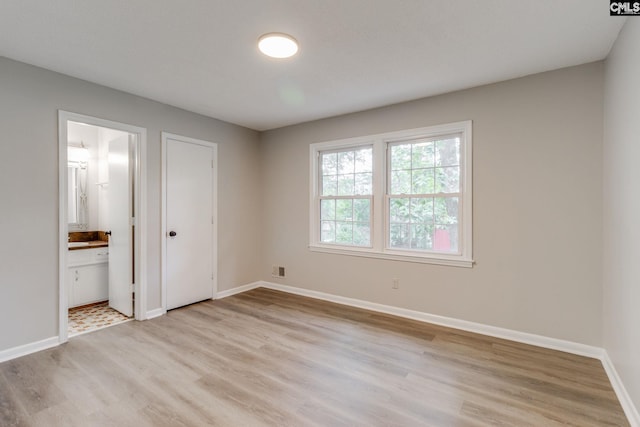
(189, 218)
(120, 200)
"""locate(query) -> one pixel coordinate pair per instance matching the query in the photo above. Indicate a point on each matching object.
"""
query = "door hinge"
(133, 221)
(133, 287)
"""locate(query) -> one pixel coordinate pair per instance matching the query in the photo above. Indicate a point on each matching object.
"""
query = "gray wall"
(29, 101)
(537, 208)
(621, 269)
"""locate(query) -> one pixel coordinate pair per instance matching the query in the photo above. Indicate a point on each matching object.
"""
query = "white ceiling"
(201, 55)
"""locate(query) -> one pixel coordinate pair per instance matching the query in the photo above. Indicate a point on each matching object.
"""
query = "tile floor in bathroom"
(92, 317)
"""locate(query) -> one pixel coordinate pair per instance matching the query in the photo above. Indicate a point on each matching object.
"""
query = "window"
(402, 195)
(424, 194)
(345, 196)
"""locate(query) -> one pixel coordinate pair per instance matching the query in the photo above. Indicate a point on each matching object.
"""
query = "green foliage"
(413, 220)
(347, 173)
(346, 221)
(425, 167)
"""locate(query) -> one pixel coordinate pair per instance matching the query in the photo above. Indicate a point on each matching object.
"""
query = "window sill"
(422, 259)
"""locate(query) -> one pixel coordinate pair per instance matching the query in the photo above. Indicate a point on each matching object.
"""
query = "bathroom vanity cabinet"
(88, 278)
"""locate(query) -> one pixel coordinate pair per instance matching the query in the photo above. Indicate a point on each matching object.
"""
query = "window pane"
(361, 234)
(448, 179)
(363, 183)
(422, 155)
(345, 185)
(399, 210)
(422, 210)
(329, 185)
(401, 157)
(422, 181)
(364, 160)
(328, 209)
(446, 210)
(448, 152)
(346, 162)
(344, 233)
(344, 210)
(399, 236)
(401, 182)
(421, 236)
(330, 164)
(362, 210)
(327, 231)
(424, 168)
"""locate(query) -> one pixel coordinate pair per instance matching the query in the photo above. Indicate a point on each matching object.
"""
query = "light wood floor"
(269, 358)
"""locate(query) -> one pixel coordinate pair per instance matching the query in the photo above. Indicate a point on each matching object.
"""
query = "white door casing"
(188, 212)
(140, 207)
(120, 196)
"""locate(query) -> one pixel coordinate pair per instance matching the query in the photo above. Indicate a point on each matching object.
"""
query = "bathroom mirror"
(77, 192)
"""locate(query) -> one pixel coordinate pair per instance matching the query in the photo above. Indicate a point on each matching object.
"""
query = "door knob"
(172, 233)
(108, 233)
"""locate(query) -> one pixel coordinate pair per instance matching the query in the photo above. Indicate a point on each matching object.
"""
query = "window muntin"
(346, 190)
(423, 194)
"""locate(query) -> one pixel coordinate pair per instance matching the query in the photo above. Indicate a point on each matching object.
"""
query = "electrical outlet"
(280, 271)
(395, 283)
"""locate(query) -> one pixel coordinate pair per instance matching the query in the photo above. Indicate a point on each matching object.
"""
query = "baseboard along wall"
(23, 350)
(522, 337)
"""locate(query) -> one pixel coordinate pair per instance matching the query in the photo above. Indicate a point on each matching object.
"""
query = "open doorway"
(102, 245)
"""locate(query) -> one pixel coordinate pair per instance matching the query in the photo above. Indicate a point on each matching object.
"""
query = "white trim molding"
(23, 350)
(152, 314)
(239, 289)
(493, 331)
(522, 337)
(630, 410)
(140, 207)
(464, 325)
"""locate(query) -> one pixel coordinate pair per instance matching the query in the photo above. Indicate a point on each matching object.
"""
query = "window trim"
(379, 240)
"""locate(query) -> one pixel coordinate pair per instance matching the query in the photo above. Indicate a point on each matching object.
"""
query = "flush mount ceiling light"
(278, 45)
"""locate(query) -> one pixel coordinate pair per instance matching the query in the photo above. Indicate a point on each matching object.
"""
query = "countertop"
(90, 245)
(88, 240)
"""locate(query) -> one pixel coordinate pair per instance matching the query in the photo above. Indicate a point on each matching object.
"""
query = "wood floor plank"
(267, 358)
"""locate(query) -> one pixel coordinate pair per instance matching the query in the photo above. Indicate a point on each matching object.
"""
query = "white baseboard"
(538, 340)
(238, 290)
(155, 313)
(23, 350)
(523, 337)
(493, 331)
(629, 408)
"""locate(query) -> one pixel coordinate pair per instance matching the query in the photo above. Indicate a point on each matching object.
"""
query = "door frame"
(214, 197)
(140, 209)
